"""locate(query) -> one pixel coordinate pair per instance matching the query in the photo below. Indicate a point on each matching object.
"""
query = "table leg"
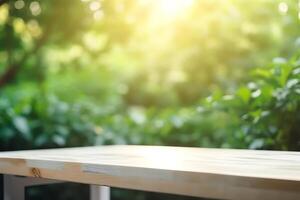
(1, 187)
(99, 192)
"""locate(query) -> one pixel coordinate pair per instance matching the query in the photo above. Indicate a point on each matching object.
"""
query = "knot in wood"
(36, 172)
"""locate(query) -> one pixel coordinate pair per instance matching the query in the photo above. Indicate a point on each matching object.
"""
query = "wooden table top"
(201, 172)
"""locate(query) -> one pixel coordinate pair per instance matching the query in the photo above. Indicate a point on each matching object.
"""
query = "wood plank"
(201, 172)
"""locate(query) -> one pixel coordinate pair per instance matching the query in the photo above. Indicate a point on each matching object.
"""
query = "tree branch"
(3, 2)
(13, 69)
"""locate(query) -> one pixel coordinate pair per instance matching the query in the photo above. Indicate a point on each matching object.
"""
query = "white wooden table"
(200, 172)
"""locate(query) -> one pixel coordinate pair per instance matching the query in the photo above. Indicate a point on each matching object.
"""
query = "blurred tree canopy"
(136, 51)
(206, 73)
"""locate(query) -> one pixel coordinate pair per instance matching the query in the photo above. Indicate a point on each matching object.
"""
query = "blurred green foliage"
(266, 109)
(262, 114)
(42, 121)
(203, 73)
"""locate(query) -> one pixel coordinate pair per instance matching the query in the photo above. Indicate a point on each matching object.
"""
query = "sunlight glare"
(164, 158)
(172, 8)
(95, 5)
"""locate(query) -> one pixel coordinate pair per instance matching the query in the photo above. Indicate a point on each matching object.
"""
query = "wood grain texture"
(214, 173)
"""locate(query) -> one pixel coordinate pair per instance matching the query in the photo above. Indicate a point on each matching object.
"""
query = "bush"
(32, 120)
(263, 114)
(268, 107)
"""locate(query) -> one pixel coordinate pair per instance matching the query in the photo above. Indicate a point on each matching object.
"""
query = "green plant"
(268, 108)
(34, 120)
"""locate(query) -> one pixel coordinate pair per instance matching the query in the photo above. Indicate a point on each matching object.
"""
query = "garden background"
(199, 73)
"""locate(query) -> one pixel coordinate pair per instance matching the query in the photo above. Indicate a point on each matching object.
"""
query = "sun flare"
(172, 8)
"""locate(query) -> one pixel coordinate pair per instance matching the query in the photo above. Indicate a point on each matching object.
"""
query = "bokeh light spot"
(3, 13)
(283, 7)
(98, 15)
(19, 4)
(95, 5)
(34, 28)
(35, 8)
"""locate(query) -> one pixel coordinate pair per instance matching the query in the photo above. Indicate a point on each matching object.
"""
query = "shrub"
(268, 107)
(32, 120)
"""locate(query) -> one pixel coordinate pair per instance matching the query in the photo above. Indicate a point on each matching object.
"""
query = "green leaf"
(244, 93)
(292, 82)
(257, 144)
(59, 140)
(22, 126)
(285, 72)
